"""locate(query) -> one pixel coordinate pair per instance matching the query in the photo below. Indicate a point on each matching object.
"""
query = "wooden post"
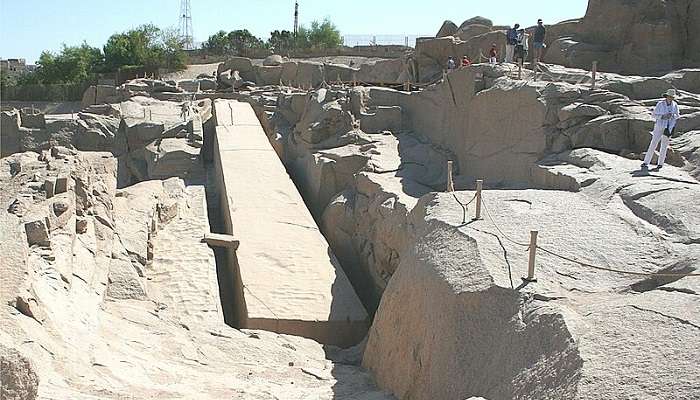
(450, 181)
(479, 187)
(150, 114)
(594, 72)
(531, 264)
(230, 107)
(144, 113)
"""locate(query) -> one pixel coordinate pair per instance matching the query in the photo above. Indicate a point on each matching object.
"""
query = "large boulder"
(240, 64)
(100, 94)
(384, 71)
(448, 28)
(330, 121)
(139, 133)
(309, 74)
(289, 72)
(230, 79)
(470, 31)
(455, 309)
(478, 20)
(641, 37)
(339, 72)
(268, 75)
(171, 157)
(273, 60)
(10, 123)
(243, 65)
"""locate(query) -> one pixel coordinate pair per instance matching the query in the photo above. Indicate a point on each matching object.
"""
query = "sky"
(30, 26)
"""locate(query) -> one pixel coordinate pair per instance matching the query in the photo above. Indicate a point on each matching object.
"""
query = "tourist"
(666, 114)
(538, 40)
(451, 64)
(465, 62)
(521, 47)
(493, 55)
(511, 42)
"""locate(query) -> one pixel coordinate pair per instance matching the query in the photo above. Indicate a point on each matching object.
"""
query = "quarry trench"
(335, 188)
(366, 167)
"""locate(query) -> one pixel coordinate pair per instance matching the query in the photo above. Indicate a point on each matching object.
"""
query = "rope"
(581, 263)
(281, 335)
(261, 302)
(619, 271)
(464, 206)
(488, 213)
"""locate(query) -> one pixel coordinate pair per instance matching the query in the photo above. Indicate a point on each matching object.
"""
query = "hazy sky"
(30, 26)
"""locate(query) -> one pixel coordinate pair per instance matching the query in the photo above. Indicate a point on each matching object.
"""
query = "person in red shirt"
(465, 61)
(493, 54)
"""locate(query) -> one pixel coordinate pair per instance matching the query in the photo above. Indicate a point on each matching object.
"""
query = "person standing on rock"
(511, 42)
(521, 47)
(451, 64)
(493, 55)
(666, 114)
(538, 40)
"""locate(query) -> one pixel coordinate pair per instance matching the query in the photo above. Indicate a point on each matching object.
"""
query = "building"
(15, 66)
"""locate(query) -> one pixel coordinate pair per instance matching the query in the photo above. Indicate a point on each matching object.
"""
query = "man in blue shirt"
(511, 42)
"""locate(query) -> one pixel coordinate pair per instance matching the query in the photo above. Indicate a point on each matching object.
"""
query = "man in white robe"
(666, 114)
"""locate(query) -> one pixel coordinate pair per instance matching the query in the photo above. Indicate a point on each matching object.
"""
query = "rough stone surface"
(136, 291)
(18, 379)
(413, 253)
(641, 37)
(564, 327)
(273, 60)
(448, 28)
(104, 251)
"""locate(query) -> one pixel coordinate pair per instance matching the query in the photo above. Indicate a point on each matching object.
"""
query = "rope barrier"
(464, 206)
(270, 309)
(619, 271)
(581, 263)
(488, 213)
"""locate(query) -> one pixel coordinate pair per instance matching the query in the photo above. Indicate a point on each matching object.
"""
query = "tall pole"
(185, 30)
(296, 18)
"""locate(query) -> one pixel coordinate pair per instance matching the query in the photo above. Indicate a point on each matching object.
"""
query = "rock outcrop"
(123, 276)
(409, 250)
(104, 213)
(650, 36)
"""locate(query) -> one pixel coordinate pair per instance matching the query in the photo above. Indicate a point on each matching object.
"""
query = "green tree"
(72, 64)
(242, 40)
(301, 41)
(324, 35)
(173, 46)
(218, 43)
(281, 41)
(146, 46)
